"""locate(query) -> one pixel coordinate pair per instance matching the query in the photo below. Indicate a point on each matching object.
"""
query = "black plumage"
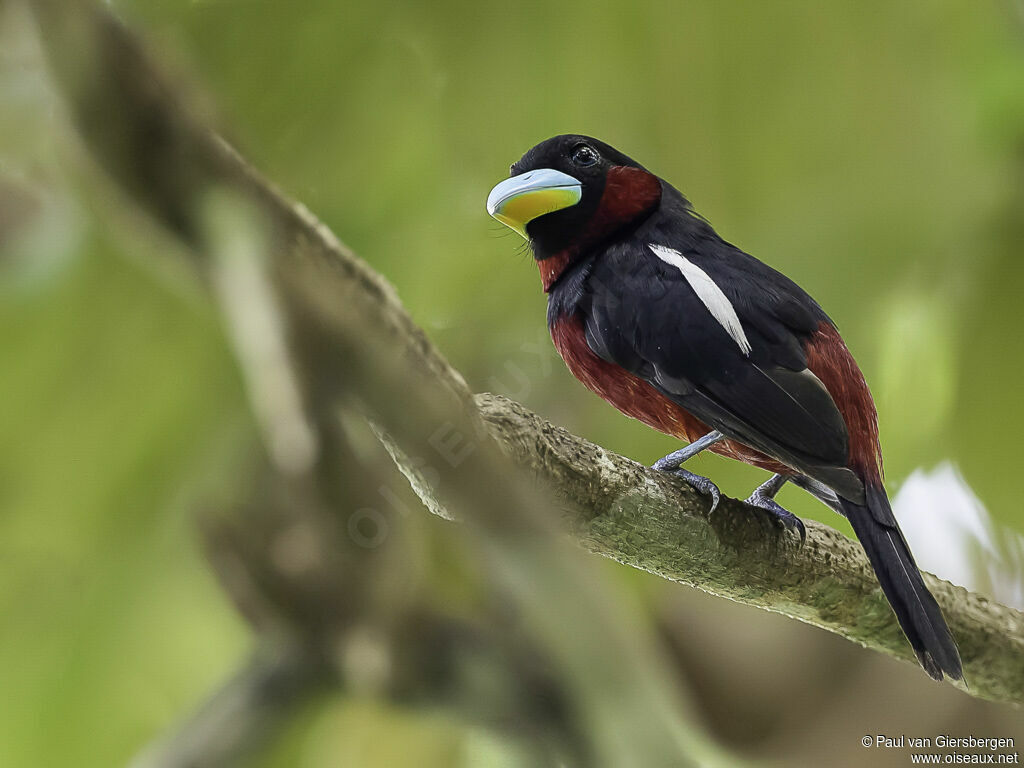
(673, 325)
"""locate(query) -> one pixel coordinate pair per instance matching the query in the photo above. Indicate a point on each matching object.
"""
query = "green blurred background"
(872, 151)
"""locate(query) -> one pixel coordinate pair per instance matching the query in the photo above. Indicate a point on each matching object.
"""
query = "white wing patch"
(717, 303)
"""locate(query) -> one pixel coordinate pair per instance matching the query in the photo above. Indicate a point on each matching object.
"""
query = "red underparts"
(628, 194)
(830, 360)
(827, 357)
(638, 399)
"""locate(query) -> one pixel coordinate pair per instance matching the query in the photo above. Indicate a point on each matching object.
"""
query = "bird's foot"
(700, 484)
(671, 465)
(788, 520)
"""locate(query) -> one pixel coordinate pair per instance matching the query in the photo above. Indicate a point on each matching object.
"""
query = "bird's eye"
(584, 156)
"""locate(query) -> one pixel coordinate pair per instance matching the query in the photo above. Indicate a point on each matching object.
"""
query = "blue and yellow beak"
(517, 201)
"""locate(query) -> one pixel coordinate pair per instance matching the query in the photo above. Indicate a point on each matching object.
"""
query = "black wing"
(643, 314)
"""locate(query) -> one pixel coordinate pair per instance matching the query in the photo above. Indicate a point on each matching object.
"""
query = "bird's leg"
(674, 459)
(763, 497)
(672, 462)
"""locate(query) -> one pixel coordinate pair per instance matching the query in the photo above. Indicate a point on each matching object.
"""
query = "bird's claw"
(782, 515)
(700, 484)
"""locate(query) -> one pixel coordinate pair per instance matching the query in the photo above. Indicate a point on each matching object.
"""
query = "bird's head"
(572, 192)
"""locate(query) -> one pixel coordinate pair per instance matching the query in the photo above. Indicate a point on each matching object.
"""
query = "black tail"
(901, 581)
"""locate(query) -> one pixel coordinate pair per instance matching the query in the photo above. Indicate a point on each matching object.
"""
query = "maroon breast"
(636, 398)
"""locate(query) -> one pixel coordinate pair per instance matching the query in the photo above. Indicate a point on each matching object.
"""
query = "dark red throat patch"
(629, 193)
(552, 267)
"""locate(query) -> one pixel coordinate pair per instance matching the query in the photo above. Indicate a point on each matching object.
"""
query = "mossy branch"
(630, 513)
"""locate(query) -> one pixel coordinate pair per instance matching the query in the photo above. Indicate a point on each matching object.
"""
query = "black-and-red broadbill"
(672, 325)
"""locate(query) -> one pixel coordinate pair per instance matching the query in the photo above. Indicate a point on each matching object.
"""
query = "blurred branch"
(245, 714)
(286, 568)
(354, 344)
(288, 555)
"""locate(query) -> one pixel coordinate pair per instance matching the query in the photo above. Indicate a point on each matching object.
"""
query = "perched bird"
(672, 325)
